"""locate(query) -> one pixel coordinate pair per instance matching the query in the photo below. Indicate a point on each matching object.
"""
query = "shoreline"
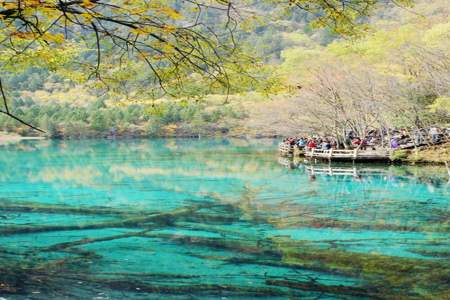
(137, 136)
(435, 155)
(14, 138)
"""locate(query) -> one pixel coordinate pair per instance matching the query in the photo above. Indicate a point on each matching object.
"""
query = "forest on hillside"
(291, 78)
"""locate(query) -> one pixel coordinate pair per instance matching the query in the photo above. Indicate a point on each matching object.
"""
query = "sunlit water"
(209, 219)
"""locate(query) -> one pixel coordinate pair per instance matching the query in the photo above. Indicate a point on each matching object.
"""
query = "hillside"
(306, 81)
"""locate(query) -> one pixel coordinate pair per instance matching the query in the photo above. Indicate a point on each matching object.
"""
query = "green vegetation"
(99, 120)
(399, 155)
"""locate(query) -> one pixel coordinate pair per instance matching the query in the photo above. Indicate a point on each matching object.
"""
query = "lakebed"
(212, 218)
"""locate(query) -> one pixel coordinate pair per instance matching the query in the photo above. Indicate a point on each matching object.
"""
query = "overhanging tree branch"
(7, 112)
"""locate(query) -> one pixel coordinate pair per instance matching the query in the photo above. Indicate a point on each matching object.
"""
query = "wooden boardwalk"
(354, 155)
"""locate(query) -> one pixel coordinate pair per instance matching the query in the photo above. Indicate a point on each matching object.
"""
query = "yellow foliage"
(437, 36)
(53, 37)
(58, 93)
(87, 4)
(142, 30)
(9, 5)
(169, 12)
(441, 104)
(169, 28)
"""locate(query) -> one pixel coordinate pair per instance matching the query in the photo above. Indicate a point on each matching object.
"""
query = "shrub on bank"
(399, 155)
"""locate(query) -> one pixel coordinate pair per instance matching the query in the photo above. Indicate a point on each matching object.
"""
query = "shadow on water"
(207, 218)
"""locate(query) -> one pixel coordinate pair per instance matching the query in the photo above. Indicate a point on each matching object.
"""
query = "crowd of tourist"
(393, 138)
(404, 138)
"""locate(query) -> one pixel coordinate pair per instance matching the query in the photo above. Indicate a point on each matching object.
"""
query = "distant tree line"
(99, 120)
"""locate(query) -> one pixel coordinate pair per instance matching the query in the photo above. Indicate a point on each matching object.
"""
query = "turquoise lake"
(216, 219)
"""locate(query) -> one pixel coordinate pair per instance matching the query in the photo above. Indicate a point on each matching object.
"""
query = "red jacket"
(311, 144)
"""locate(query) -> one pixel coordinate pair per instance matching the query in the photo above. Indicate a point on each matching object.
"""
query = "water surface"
(208, 219)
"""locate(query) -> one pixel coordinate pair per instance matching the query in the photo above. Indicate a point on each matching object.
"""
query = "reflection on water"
(215, 218)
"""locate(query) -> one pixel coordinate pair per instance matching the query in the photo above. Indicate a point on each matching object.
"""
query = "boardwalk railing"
(285, 149)
(351, 155)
